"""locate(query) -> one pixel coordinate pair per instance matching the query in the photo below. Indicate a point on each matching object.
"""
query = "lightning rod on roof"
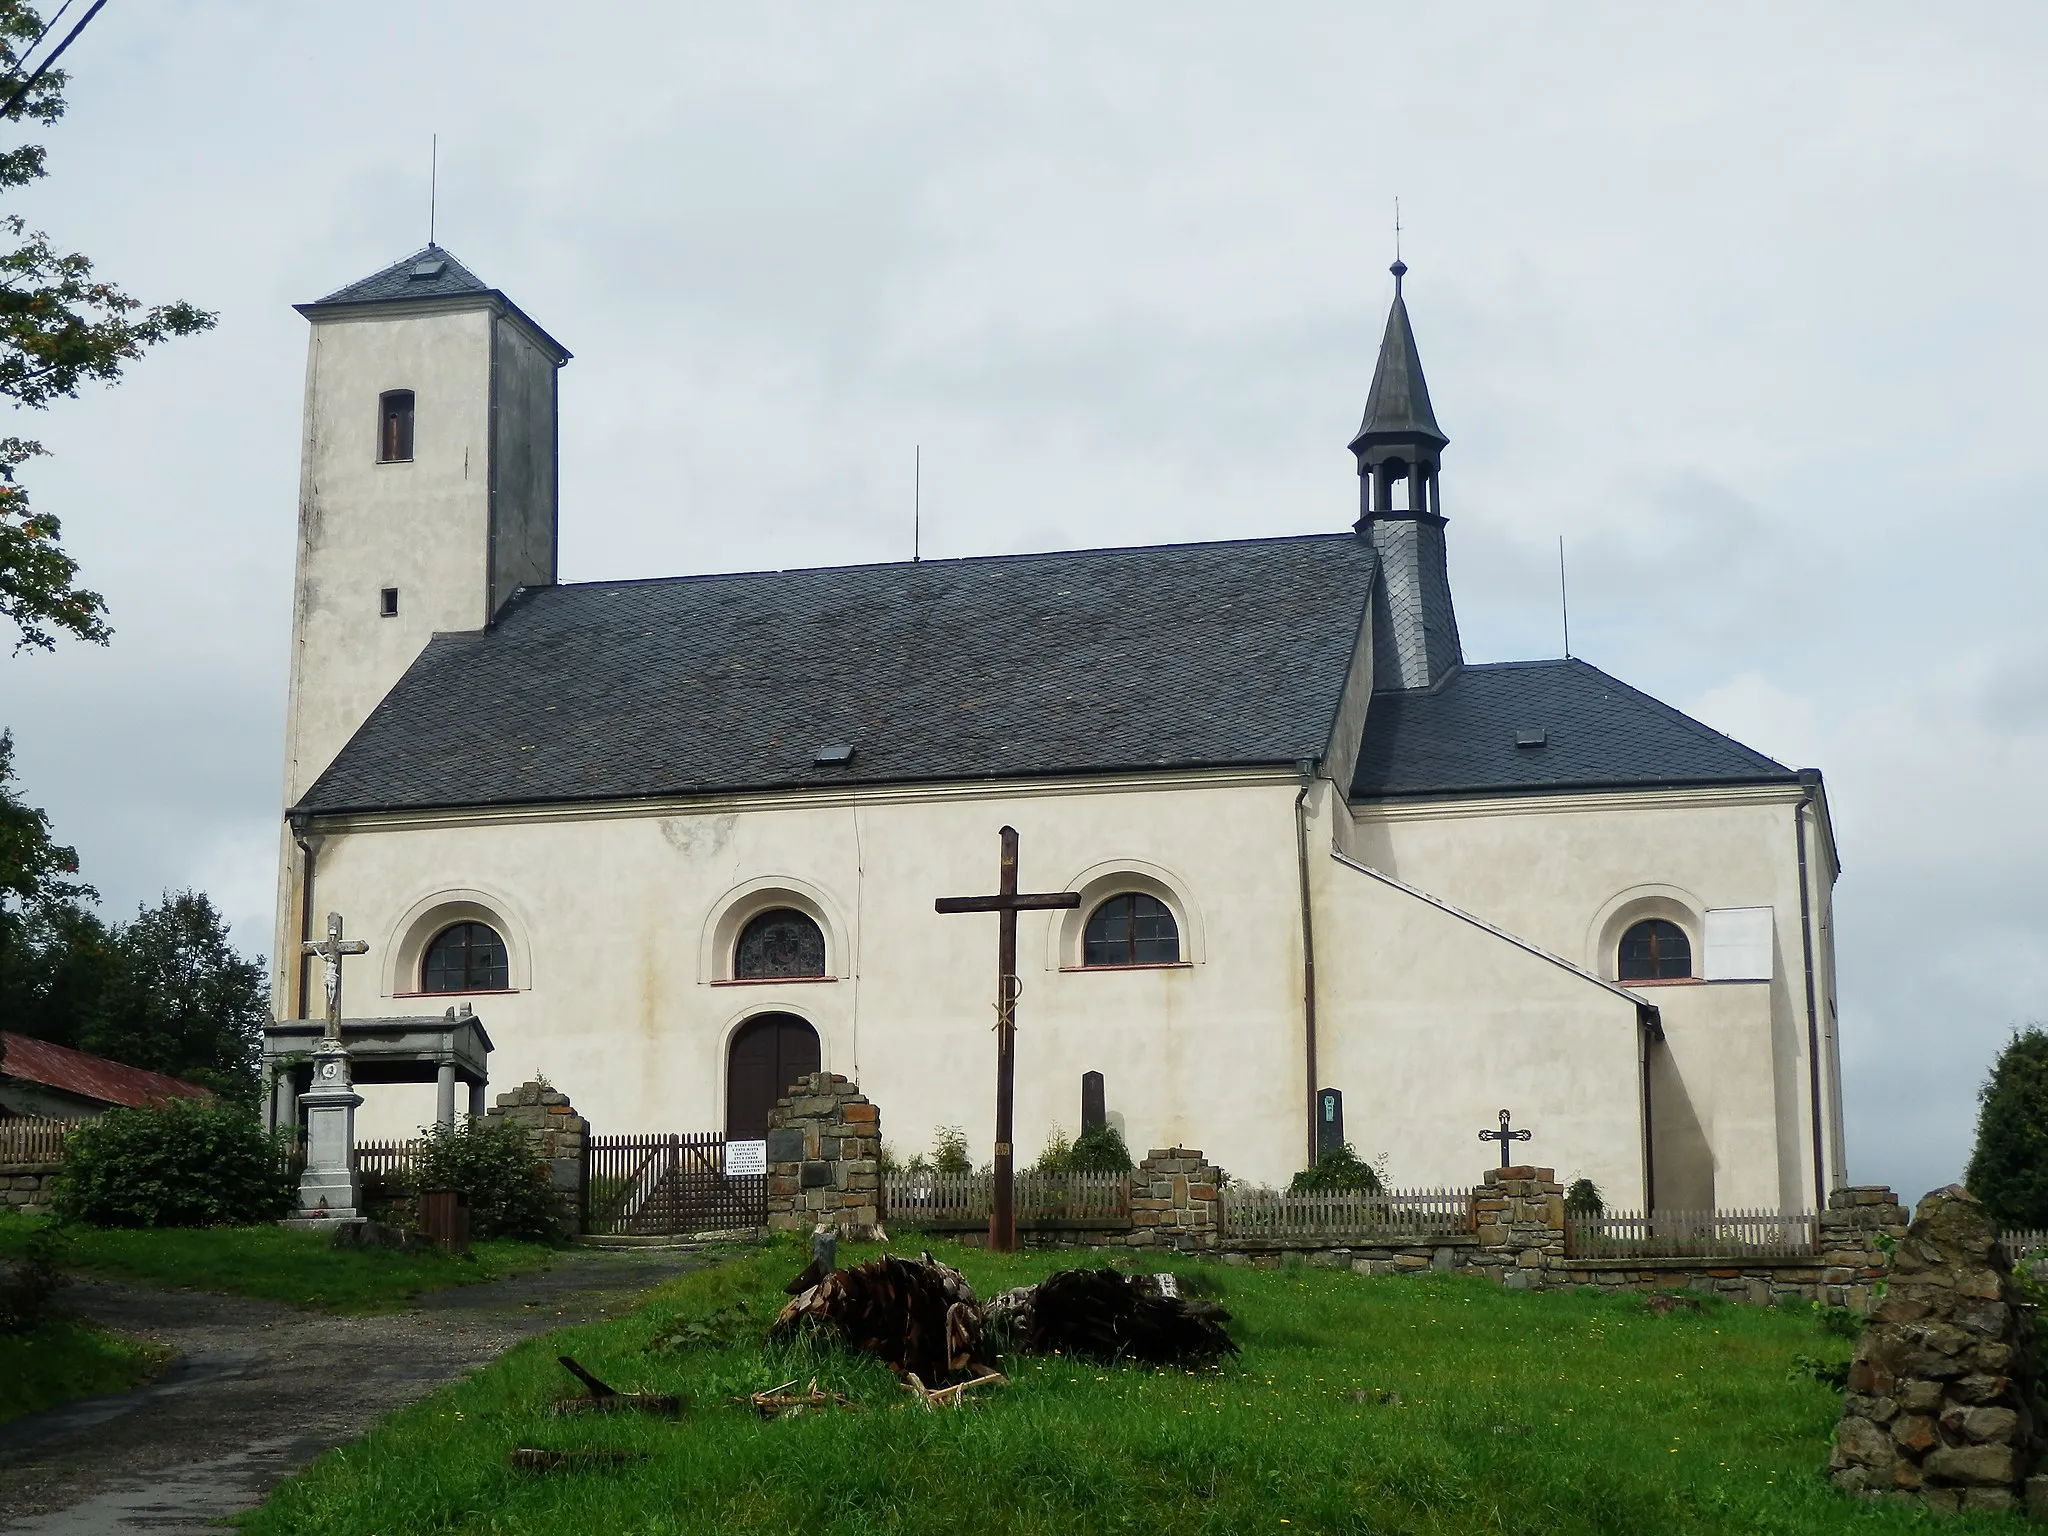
(916, 502)
(433, 186)
(1564, 607)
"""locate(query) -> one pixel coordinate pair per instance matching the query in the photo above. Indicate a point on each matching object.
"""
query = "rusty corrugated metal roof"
(89, 1076)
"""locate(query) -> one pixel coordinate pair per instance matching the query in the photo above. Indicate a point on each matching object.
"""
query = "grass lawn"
(275, 1263)
(65, 1359)
(1424, 1405)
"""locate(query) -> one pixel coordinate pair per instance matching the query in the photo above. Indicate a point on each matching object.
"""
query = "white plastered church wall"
(631, 1012)
(1567, 872)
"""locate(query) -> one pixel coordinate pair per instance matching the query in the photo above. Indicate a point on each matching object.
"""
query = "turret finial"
(1400, 270)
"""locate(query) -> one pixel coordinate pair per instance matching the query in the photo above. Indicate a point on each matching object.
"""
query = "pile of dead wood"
(918, 1316)
(1104, 1314)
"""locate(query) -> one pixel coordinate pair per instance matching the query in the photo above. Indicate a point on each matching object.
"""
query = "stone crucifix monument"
(329, 1189)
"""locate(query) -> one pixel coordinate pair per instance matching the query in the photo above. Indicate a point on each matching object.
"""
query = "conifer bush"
(494, 1163)
(189, 1163)
(1338, 1168)
(2009, 1168)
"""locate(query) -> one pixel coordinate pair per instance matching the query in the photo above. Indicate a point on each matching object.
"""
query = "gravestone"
(1094, 1107)
(1329, 1122)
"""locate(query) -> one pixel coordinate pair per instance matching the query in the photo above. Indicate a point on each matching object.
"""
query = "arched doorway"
(769, 1052)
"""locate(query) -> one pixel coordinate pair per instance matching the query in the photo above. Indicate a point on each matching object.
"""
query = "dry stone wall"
(825, 1159)
(1940, 1407)
(27, 1187)
(560, 1135)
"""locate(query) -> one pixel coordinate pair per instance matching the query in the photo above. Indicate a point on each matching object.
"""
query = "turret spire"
(1399, 448)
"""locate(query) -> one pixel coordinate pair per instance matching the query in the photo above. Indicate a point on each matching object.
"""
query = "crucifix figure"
(1504, 1136)
(331, 952)
(1006, 904)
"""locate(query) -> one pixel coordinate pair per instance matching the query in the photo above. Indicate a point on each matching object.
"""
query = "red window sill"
(1157, 965)
(480, 992)
(771, 981)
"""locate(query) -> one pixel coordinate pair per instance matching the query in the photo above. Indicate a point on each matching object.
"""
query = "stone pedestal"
(1518, 1214)
(1940, 1405)
(824, 1159)
(1175, 1201)
(329, 1189)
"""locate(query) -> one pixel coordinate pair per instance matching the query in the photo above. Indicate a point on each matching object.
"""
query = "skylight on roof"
(833, 754)
(433, 266)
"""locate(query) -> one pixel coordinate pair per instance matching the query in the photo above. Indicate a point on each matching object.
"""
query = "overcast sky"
(1744, 301)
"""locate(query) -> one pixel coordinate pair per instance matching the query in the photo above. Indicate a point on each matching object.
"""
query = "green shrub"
(1055, 1157)
(949, 1151)
(1339, 1168)
(1101, 1150)
(1583, 1198)
(495, 1164)
(2009, 1168)
(26, 1290)
(191, 1163)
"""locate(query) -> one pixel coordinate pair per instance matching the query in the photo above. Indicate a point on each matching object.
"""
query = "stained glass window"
(1131, 929)
(780, 943)
(469, 957)
(1655, 950)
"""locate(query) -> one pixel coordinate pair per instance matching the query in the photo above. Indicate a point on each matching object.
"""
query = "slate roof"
(1398, 405)
(1598, 733)
(398, 281)
(89, 1076)
(1089, 661)
(428, 273)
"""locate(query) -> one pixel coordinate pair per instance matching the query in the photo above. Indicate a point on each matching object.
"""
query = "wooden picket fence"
(1692, 1234)
(1394, 1214)
(389, 1159)
(2029, 1242)
(1054, 1202)
(648, 1186)
(32, 1140)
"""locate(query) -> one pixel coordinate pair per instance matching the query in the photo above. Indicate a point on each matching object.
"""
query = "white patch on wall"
(1739, 944)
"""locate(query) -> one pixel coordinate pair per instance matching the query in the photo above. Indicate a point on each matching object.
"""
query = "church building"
(676, 841)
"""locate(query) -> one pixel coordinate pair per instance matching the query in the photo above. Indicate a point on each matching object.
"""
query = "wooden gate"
(666, 1186)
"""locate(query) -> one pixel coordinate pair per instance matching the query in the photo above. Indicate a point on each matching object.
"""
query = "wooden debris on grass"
(1664, 1303)
(781, 1403)
(953, 1396)
(600, 1397)
(1104, 1314)
(918, 1316)
(528, 1459)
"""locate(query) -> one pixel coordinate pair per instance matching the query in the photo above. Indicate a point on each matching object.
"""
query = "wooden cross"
(1006, 903)
(331, 952)
(1504, 1136)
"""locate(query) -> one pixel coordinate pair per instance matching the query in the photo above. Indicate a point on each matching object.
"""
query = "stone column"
(559, 1134)
(824, 1159)
(1518, 1214)
(1175, 1201)
(1862, 1222)
(329, 1189)
(1940, 1404)
(444, 1096)
(476, 1099)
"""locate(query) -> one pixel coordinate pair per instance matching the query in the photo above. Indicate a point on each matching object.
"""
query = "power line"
(43, 68)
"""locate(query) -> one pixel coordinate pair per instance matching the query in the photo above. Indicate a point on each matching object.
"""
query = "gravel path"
(260, 1389)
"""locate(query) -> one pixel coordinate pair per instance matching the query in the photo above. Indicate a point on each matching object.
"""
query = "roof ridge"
(959, 560)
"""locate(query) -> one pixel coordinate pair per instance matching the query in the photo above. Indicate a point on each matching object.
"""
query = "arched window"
(1131, 929)
(468, 957)
(778, 944)
(394, 426)
(1654, 950)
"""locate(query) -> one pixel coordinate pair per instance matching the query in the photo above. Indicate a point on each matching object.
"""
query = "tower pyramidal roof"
(1398, 403)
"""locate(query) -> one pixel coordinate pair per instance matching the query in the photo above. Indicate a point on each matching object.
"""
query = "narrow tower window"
(394, 429)
(387, 603)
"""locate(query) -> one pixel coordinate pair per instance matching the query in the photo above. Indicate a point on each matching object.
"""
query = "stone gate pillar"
(559, 1134)
(1518, 1214)
(825, 1159)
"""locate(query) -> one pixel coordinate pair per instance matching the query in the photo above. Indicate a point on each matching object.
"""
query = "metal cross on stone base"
(329, 1189)
(1006, 903)
(1504, 1136)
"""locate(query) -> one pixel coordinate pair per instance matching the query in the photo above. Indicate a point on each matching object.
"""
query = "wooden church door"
(769, 1052)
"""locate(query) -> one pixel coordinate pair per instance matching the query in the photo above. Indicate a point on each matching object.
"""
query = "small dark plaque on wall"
(1329, 1121)
(816, 1175)
(785, 1146)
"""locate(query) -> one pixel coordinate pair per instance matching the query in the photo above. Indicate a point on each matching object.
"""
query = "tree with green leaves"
(36, 871)
(60, 328)
(2009, 1168)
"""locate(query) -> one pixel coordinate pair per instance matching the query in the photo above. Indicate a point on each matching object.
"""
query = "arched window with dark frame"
(466, 957)
(1655, 950)
(778, 945)
(394, 426)
(1131, 929)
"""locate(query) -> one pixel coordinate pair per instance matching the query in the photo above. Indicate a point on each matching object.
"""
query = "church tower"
(427, 485)
(1399, 448)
